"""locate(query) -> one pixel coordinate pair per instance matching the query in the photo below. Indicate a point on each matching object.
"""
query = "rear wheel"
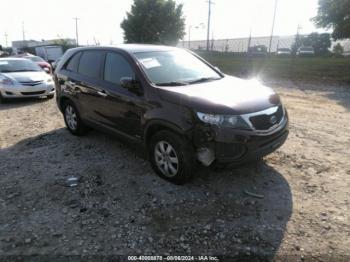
(172, 157)
(72, 119)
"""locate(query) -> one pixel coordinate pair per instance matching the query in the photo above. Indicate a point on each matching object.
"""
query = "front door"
(120, 108)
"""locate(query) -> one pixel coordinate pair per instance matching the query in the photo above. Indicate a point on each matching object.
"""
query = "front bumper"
(239, 146)
(19, 91)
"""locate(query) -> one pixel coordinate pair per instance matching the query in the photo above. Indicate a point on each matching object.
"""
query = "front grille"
(32, 83)
(263, 122)
(32, 93)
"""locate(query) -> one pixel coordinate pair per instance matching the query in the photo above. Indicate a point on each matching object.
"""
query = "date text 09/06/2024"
(173, 258)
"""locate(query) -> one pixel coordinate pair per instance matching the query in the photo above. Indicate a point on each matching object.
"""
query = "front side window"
(90, 64)
(175, 67)
(117, 67)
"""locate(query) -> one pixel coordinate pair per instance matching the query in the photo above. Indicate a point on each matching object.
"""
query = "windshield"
(175, 68)
(35, 59)
(20, 65)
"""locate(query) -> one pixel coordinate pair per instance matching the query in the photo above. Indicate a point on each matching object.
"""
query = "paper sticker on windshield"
(149, 62)
(4, 63)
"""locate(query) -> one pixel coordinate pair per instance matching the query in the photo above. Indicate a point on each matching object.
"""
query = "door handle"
(102, 93)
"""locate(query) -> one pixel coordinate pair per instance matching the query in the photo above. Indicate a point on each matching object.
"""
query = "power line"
(76, 30)
(273, 26)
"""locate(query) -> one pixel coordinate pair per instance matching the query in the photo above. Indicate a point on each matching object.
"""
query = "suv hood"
(27, 76)
(229, 95)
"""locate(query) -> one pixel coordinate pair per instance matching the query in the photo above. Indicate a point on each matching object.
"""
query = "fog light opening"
(206, 156)
(8, 93)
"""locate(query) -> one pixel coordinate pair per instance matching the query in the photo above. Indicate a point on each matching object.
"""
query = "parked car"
(41, 62)
(181, 108)
(257, 51)
(284, 52)
(21, 77)
(306, 51)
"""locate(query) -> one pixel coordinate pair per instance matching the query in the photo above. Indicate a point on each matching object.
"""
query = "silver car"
(306, 51)
(21, 77)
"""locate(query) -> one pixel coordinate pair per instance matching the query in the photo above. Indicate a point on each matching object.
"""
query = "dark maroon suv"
(181, 108)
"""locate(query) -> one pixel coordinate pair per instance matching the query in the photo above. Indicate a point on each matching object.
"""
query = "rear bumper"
(44, 89)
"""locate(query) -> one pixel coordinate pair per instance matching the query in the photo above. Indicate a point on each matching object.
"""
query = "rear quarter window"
(73, 63)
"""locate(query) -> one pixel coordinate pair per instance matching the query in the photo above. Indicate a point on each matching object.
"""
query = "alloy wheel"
(166, 159)
(71, 117)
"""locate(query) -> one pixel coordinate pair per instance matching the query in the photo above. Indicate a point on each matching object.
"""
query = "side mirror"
(131, 84)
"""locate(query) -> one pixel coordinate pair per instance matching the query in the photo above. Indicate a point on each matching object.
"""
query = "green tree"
(338, 50)
(64, 43)
(154, 21)
(334, 14)
(320, 42)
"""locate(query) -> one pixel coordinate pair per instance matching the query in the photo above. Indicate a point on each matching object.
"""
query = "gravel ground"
(120, 206)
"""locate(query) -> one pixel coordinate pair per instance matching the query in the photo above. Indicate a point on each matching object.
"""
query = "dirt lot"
(121, 207)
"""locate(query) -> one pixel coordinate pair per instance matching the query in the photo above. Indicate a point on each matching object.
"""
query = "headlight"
(223, 120)
(6, 81)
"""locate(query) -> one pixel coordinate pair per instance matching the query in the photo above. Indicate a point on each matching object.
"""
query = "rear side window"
(90, 63)
(73, 63)
(116, 67)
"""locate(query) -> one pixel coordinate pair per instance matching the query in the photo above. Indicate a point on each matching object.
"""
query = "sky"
(100, 20)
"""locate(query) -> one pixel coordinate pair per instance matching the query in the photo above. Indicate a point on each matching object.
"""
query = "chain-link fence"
(240, 45)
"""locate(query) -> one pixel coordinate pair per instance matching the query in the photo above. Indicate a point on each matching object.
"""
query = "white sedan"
(23, 78)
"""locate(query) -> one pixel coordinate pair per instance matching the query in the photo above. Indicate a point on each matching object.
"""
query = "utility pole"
(202, 25)
(76, 30)
(189, 36)
(6, 35)
(297, 40)
(249, 40)
(273, 26)
(208, 29)
(23, 32)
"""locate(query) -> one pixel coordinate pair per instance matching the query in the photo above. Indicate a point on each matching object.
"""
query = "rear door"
(88, 84)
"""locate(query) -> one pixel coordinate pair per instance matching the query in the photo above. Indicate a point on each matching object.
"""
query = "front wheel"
(172, 157)
(72, 119)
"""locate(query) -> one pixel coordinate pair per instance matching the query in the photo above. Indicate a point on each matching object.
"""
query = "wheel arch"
(155, 126)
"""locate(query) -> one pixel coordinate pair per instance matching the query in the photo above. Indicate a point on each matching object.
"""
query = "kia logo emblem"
(273, 120)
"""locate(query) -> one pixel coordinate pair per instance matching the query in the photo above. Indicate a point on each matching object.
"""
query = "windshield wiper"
(204, 79)
(173, 83)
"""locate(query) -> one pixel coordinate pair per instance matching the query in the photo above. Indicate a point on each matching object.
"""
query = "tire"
(50, 96)
(2, 99)
(72, 119)
(163, 158)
